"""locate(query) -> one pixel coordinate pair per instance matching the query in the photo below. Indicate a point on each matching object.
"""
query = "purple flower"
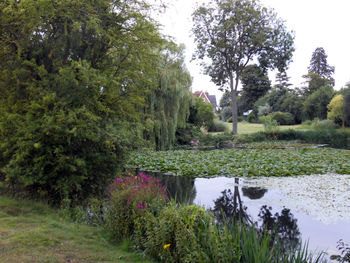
(119, 180)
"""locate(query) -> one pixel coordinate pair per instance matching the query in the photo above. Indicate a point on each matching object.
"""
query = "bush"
(56, 153)
(185, 135)
(251, 117)
(270, 125)
(229, 120)
(283, 118)
(226, 113)
(324, 124)
(132, 197)
(218, 126)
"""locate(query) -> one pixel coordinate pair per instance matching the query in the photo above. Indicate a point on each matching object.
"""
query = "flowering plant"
(130, 198)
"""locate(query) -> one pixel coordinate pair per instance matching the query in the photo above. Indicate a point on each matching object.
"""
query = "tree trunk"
(234, 103)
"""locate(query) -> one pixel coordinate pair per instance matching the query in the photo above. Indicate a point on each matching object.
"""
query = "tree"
(319, 65)
(202, 114)
(255, 84)
(319, 72)
(73, 79)
(231, 33)
(315, 106)
(347, 109)
(168, 101)
(336, 109)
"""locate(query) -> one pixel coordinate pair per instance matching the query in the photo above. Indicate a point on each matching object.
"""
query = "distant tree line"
(316, 100)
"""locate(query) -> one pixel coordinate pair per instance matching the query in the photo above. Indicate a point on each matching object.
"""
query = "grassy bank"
(33, 232)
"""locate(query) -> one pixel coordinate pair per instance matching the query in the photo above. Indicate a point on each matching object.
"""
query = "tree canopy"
(255, 85)
(319, 65)
(231, 33)
(78, 81)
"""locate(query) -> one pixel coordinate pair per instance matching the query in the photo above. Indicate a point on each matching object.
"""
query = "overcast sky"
(316, 23)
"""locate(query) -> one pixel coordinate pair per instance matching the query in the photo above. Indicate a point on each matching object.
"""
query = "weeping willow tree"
(168, 101)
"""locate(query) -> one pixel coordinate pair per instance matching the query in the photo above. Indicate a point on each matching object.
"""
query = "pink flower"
(119, 180)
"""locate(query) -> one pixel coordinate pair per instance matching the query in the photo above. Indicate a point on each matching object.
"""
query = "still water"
(298, 215)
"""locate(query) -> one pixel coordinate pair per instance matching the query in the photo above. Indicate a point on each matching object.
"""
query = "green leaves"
(245, 162)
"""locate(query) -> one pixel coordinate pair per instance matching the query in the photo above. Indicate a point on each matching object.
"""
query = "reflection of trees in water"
(230, 208)
(180, 188)
(254, 193)
(284, 225)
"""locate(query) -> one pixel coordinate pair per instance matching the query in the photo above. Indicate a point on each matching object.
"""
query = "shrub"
(324, 124)
(283, 118)
(185, 135)
(185, 233)
(251, 117)
(270, 125)
(218, 126)
(226, 113)
(132, 197)
(229, 120)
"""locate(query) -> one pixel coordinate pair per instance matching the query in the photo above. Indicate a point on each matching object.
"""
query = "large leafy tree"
(73, 78)
(315, 105)
(255, 84)
(231, 33)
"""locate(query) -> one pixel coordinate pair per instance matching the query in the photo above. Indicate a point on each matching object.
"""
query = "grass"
(246, 127)
(34, 232)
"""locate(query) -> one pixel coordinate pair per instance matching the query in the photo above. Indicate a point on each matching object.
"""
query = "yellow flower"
(166, 246)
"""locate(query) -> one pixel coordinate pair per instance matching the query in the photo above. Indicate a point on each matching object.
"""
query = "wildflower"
(119, 180)
(166, 246)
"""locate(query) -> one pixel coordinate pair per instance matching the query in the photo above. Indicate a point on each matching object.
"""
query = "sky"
(316, 23)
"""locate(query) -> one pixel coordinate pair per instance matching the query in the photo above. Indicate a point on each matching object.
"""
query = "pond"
(313, 208)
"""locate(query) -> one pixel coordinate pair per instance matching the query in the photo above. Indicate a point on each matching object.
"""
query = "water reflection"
(182, 189)
(230, 208)
(284, 225)
(254, 193)
(218, 194)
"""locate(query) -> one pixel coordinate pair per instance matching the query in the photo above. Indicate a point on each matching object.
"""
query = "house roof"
(212, 99)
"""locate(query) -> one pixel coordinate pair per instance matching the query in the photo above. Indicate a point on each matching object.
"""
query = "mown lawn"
(246, 127)
(33, 232)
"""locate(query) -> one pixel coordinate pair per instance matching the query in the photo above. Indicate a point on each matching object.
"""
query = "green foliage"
(251, 117)
(282, 118)
(77, 78)
(315, 82)
(201, 113)
(225, 100)
(185, 135)
(132, 197)
(218, 126)
(179, 234)
(315, 105)
(347, 109)
(168, 102)
(255, 84)
(250, 162)
(270, 124)
(233, 31)
(226, 113)
(319, 65)
(336, 109)
(323, 125)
